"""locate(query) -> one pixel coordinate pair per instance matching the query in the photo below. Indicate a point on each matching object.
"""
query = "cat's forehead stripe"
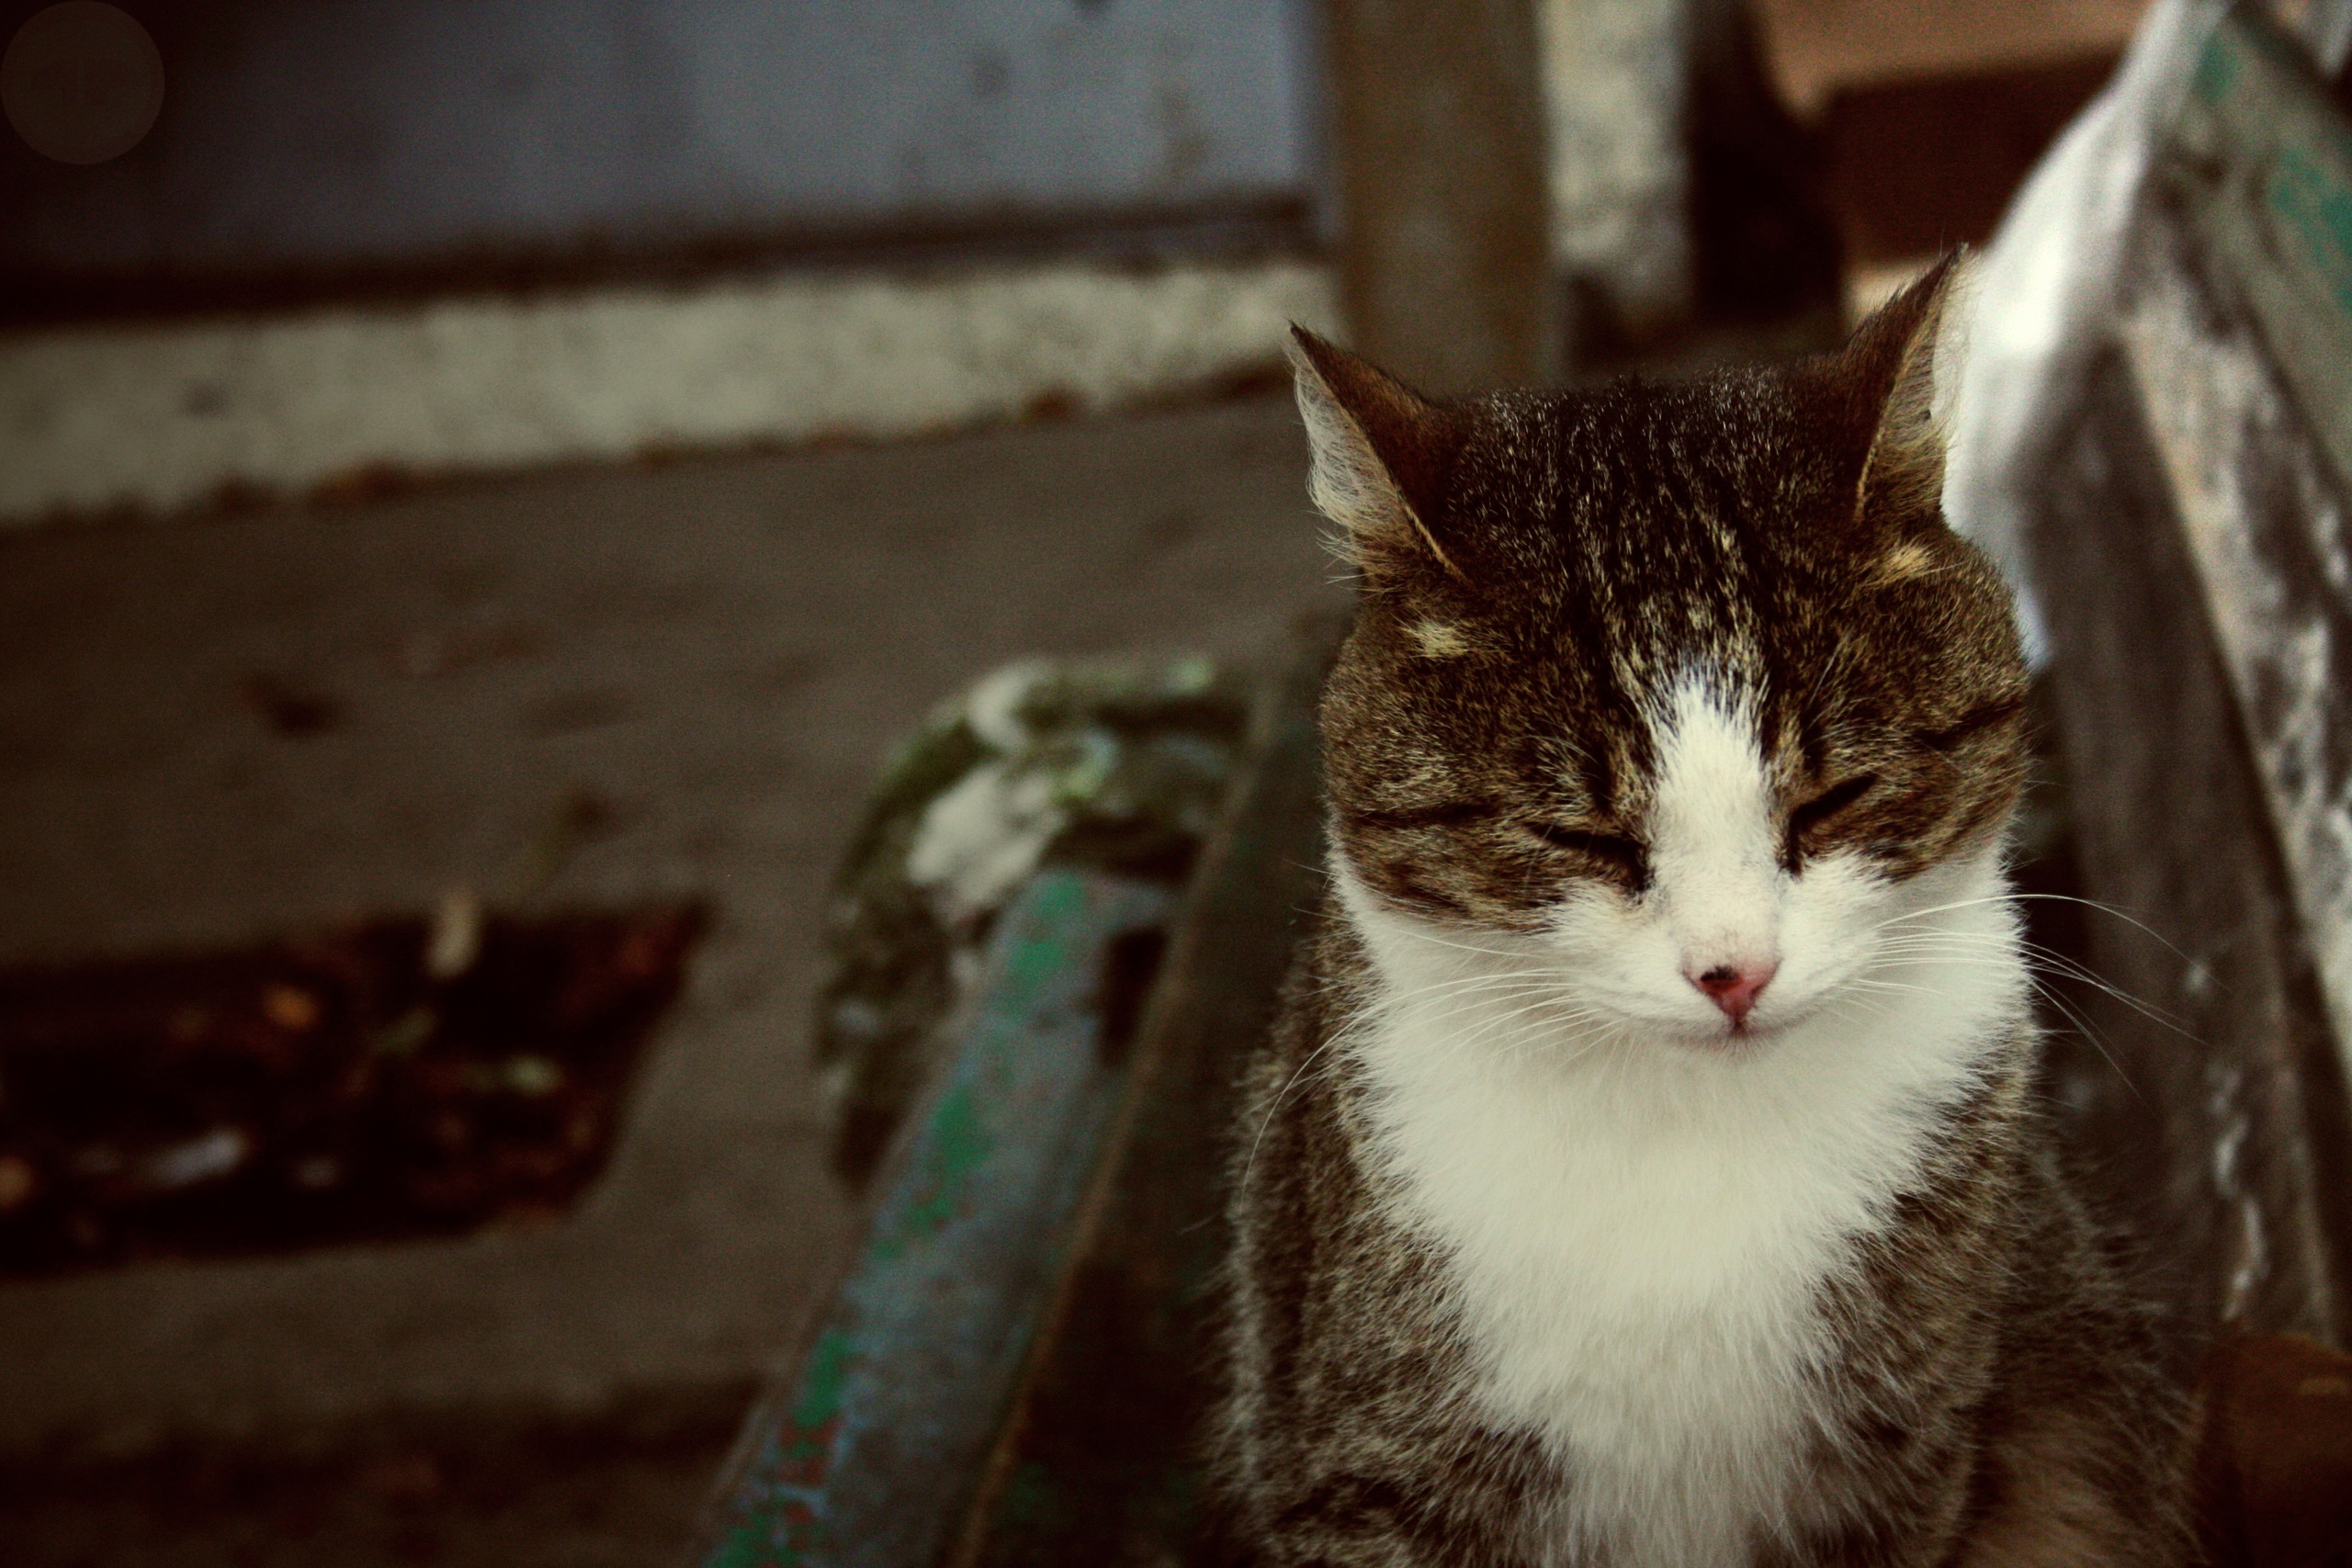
(1705, 735)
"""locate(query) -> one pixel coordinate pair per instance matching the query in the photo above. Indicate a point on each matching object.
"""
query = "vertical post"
(1616, 78)
(1445, 253)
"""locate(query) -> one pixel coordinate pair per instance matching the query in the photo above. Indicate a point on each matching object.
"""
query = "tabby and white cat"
(1643, 1172)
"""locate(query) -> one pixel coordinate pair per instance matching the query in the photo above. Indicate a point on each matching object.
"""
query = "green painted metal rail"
(1012, 1370)
(858, 1460)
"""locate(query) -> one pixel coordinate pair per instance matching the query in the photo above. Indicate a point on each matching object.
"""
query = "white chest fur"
(1637, 1230)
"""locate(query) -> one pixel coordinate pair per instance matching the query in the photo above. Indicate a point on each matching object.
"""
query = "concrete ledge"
(162, 416)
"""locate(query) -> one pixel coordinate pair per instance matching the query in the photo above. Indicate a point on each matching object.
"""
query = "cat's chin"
(1751, 1037)
(1731, 1041)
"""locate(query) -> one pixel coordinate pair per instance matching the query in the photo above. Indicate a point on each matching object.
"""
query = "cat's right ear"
(1904, 362)
(1382, 454)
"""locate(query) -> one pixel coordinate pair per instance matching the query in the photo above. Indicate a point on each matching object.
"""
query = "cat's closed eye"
(1623, 857)
(1825, 807)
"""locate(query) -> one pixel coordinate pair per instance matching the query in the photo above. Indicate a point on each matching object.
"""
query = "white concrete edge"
(158, 417)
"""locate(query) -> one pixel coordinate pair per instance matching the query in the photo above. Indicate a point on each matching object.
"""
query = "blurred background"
(484, 486)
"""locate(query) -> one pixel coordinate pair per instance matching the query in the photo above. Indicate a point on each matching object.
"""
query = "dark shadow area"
(1916, 164)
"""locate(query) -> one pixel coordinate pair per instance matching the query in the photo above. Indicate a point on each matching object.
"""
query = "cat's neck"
(1636, 1231)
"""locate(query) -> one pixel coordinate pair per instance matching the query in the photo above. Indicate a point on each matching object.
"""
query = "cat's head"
(1687, 683)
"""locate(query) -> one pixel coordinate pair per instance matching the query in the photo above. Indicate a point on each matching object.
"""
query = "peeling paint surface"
(2238, 329)
(2263, 519)
(2246, 1245)
(870, 1458)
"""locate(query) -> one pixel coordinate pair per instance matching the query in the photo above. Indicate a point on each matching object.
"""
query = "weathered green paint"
(819, 1399)
(958, 1145)
(864, 1460)
(1079, 1478)
(1045, 945)
(2318, 210)
(2259, 163)
(2217, 71)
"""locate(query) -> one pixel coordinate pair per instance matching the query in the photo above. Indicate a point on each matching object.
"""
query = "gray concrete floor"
(720, 651)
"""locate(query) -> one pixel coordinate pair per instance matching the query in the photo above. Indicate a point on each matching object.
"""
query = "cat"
(1644, 1171)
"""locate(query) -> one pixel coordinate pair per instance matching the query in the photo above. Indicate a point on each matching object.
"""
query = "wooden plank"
(2238, 328)
(1096, 1464)
(865, 1456)
(2217, 1131)
(2190, 553)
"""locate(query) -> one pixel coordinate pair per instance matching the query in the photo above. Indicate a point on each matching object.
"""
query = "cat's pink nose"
(1734, 987)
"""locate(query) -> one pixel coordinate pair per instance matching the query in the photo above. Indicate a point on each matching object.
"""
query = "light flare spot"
(1904, 563)
(1439, 640)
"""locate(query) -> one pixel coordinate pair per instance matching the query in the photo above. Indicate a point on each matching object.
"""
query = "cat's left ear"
(1382, 454)
(1902, 363)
